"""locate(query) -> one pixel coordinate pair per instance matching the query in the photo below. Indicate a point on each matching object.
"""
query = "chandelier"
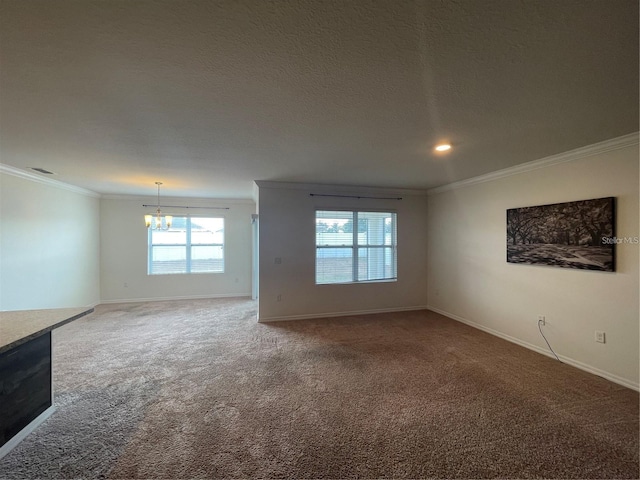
(156, 223)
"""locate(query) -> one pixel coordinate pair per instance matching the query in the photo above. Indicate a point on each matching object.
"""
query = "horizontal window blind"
(355, 246)
(191, 245)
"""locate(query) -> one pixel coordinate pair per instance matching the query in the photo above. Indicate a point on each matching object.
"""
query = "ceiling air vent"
(42, 170)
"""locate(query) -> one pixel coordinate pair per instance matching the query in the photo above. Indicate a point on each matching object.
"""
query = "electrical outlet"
(279, 298)
(600, 337)
(278, 260)
(542, 320)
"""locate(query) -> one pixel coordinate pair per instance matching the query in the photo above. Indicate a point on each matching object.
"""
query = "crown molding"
(196, 201)
(342, 189)
(16, 172)
(570, 156)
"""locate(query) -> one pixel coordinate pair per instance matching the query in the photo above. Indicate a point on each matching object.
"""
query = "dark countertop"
(18, 327)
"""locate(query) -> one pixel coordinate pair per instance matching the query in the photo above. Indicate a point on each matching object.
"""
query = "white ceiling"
(207, 96)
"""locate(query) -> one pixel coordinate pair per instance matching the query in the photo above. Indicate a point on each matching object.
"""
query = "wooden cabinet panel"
(25, 385)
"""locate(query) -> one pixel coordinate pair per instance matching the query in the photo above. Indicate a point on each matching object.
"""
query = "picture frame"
(578, 235)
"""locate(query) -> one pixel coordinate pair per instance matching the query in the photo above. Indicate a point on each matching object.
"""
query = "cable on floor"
(545, 339)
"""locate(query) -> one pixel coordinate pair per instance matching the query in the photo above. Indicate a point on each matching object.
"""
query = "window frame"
(355, 246)
(188, 246)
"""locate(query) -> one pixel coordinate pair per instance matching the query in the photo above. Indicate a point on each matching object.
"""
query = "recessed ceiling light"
(443, 147)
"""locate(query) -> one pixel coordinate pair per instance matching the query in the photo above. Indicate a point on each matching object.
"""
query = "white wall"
(287, 231)
(49, 244)
(124, 251)
(470, 280)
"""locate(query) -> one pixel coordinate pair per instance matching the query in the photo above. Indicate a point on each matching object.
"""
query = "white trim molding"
(576, 154)
(200, 202)
(17, 172)
(338, 189)
(24, 433)
(569, 361)
(184, 297)
(341, 314)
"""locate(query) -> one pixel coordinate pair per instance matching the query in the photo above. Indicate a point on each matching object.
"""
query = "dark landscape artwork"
(569, 235)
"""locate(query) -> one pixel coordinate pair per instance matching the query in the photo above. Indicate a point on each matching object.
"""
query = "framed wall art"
(577, 234)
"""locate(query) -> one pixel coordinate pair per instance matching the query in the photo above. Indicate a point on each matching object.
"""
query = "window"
(345, 254)
(191, 245)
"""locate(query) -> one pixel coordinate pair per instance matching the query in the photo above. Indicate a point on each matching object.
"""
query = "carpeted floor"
(198, 389)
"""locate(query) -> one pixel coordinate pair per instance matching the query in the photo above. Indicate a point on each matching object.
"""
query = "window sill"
(362, 282)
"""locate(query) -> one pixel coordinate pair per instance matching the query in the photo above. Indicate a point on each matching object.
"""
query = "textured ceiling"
(208, 96)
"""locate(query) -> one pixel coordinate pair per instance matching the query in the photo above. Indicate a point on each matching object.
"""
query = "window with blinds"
(191, 245)
(355, 246)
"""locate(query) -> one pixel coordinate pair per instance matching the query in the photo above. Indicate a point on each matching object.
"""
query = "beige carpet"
(198, 389)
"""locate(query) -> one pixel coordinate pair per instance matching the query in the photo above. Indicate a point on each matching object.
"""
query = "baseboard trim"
(570, 361)
(184, 297)
(22, 434)
(341, 314)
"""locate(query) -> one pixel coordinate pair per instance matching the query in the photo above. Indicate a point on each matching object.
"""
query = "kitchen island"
(26, 390)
